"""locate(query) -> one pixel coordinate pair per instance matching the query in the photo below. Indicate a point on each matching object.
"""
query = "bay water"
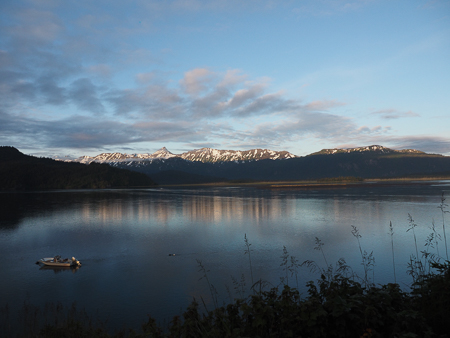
(142, 250)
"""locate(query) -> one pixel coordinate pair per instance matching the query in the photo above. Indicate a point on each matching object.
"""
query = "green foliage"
(433, 297)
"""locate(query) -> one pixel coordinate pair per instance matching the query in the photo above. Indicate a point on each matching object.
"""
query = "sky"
(85, 77)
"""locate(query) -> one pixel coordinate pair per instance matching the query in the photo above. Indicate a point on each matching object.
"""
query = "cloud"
(191, 110)
(323, 105)
(81, 132)
(84, 94)
(52, 93)
(232, 78)
(155, 101)
(320, 125)
(200, 94)
(243, 96)
(101, 70)
(196, 81)
(430, 144)
(330, 7)
(136, 56)
(425, 143)
(195, 6)
(145, 78)
(37, 26)
(394, 114)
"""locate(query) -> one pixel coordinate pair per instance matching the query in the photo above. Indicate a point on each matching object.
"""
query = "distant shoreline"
(315, 184)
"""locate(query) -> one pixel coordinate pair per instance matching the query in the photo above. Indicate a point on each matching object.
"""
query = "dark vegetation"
(22, 172)
(339, 304)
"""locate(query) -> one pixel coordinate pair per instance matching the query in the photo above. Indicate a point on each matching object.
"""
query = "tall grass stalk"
(212, 289)
(290, 266)
(319, 245)
(368, 261)
(284, 263)
(443, 206)
(416, 269)
(247, 251)
(437, 237)
(412, 225)
(391, 232)
(239, 286)
(293, 268)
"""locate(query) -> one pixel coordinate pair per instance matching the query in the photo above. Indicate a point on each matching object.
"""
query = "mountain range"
(205, 155)
(208, 165)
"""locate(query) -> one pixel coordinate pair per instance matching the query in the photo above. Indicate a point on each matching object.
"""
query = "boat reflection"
(58, 269)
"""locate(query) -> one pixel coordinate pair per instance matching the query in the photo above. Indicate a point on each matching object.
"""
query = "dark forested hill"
(23, 172)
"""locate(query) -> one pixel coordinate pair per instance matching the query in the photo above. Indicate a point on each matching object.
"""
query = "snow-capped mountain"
(373, 148)
(201, 155)
(162, 153)
(214, 155)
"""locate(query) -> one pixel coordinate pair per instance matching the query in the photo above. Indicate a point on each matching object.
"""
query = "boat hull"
(60, 262)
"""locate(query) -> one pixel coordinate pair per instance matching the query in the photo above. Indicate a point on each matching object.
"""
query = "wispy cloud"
(324, 105)
(394, 114)
(431, 144)
(330, 7)
(192, 112)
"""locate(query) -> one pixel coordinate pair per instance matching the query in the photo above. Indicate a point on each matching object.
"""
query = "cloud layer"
(78, 81)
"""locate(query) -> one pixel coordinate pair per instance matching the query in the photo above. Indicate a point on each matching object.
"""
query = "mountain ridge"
(211, 155)
(372, 148)
(362, 162)
(199, 155)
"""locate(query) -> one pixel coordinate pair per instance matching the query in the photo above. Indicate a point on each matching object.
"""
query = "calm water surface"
(124, 238)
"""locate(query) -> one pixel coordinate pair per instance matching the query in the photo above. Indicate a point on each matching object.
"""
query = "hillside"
(23, 172)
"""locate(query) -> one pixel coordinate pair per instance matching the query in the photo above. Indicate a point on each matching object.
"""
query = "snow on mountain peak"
(202, 155)
(216, 155)
(373, 148)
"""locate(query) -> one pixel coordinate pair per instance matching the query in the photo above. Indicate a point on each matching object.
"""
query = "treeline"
(23, 172)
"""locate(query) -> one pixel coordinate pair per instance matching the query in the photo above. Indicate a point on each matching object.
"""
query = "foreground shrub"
(339, 307)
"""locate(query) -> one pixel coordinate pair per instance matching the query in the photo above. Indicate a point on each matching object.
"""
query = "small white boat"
(58, 261)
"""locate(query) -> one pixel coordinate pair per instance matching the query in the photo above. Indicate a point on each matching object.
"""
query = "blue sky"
(85, 77)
